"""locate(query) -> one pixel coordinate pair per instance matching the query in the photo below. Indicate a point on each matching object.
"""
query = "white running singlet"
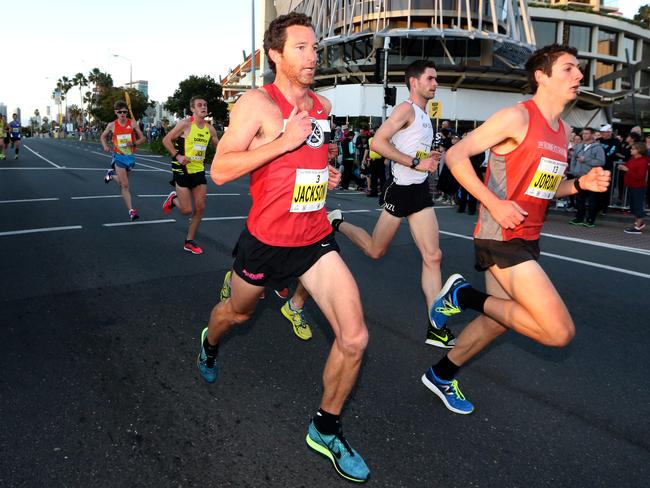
(415, 141)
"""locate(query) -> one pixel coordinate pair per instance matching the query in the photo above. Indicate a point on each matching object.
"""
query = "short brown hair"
(639, 146)
(276, 34)
(415, 70)
(543, 60)
(120, 105)
(195, 98)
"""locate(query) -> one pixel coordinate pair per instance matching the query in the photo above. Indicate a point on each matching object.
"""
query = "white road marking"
(140, 222)
(43, 229)
(207, 194)
(91, 197)
(68, 168)
(599, 244)
(30, 200)
(573, 260)
(44, 159)
(140, 164)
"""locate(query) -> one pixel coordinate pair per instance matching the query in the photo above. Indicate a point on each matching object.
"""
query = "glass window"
(607, 43)
(645, 82)
(603, 69)
(545, 32)
(629, 44)
(577, 36)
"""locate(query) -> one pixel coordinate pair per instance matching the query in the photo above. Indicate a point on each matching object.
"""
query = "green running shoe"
(225, 288)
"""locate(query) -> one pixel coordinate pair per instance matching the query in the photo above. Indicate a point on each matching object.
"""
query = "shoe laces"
(341, 439)
(448, 308)
(456, 389)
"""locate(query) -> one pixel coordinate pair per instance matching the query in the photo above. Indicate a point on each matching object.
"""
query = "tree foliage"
(205, 86)
(643, 15)
(103, 109)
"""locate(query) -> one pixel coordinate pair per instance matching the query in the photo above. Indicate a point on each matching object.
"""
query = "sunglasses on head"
(121, 111)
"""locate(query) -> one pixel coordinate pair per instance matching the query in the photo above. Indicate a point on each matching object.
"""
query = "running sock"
(445, 369)
(471, 298)
(210, 350)
(292, 308)
(327, 423)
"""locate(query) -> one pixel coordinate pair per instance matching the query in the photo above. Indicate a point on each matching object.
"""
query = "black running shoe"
(443, 338)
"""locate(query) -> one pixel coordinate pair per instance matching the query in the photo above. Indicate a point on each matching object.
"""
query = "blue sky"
(166, 41)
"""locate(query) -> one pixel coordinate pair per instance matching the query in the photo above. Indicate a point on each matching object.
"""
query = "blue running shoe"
(446, 302)
(448, 392)
(208, 367)
(347, 461)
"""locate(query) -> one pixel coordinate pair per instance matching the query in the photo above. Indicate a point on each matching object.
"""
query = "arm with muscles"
(141, 138)
(109, 129)
(401, 117)
(214, 138)
(172, 135)
(233, 158)
(507, 124)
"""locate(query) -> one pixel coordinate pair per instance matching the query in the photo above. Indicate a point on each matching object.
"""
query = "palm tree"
(80, 81)
(64, 84)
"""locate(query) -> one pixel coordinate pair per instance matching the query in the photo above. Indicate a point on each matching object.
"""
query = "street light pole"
(130, 68)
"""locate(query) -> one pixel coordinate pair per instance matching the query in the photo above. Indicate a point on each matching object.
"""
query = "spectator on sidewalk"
(636, 177)
(612, 148)
(586, 156)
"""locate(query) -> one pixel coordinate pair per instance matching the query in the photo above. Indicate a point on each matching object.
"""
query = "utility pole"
(385, 54)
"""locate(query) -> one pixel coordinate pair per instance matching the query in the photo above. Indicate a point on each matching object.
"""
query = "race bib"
(423, 151)
(547, 179)
(123, 140)
(309, 190)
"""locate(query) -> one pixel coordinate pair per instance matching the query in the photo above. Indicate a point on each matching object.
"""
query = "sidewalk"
(609, 229)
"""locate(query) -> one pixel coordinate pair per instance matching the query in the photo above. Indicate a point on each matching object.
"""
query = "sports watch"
(415, 162)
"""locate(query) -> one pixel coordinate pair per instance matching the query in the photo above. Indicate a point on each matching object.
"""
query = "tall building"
(141, 85)
(479, 47)
(615, 53)
(3, 109)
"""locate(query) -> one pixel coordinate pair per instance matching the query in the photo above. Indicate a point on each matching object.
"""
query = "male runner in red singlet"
(126, 136)
(188, 169)
(280, 134)
(528, 159)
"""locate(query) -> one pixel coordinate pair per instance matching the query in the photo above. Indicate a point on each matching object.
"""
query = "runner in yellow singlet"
(188, 168)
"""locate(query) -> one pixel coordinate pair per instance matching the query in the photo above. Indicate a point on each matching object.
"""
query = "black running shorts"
(504, 254)
(404, 200)
(263, 265)
(190, 180)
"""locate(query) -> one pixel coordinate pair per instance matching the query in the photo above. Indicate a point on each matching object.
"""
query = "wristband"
(576, 184)
(176, 155)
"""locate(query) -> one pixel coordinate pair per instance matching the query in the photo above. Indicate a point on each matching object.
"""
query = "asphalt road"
(99, 335)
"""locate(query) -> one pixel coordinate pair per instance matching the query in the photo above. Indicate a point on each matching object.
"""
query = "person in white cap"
(612, 147)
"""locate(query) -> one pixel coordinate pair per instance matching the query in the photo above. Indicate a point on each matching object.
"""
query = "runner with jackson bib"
(528, 159)
(188, 169)
(279, 134)
(126, 136)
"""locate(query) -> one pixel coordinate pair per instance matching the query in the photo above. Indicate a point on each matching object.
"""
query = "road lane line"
(599, 244)
(137, 160)
(30, 200)
(43, 229)
(43, 158)
(91, 197)
(565, 258)
(140, 222)
(207, 195)
(236, 217)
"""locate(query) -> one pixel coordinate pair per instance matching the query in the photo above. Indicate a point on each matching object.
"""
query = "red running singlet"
(289, 192)
(530, 175)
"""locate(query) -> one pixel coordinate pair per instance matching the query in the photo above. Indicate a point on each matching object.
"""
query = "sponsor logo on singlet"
(320, 132)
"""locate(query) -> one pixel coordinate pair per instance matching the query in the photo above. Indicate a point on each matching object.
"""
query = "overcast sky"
(165, 40)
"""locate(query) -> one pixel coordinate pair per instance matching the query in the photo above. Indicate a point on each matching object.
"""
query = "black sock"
(210, 350)
(327, 423)
(469, 297)
(336, 223)
(445, 369)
